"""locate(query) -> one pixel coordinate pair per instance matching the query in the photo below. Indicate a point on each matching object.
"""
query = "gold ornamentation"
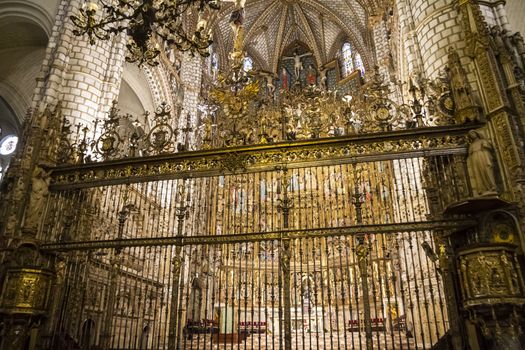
(490, 275)
(26, 291)
(199, 163)
(232, 162)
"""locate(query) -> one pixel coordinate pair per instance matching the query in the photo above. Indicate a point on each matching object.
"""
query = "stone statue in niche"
(37, 200)
(517, 40)
(497, 39)
(297, 64)
(481, 165)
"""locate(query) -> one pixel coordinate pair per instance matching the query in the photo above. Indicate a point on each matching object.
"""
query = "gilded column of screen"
(274, 285)
(115, 267)
(177, 261)
(342, 296)
(284, 207)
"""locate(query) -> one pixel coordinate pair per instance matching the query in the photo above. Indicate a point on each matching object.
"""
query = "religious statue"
(311, 77)
(269, 84)
(481, 165)
(285, 83)
(519, 44)
(322, 79)
(297, 64)
(37, 200)
(237, 25)
(497, 39)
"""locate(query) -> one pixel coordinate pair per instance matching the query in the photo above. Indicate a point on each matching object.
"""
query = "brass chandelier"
(146, 20)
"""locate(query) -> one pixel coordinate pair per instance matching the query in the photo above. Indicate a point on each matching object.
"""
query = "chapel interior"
(262, 174)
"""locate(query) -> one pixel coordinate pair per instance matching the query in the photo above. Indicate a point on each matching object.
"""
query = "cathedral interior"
(262, 174)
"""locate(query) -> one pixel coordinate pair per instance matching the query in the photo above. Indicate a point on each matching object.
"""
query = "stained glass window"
(347, 64)
(351, 60)
(248, 64)
(358, 61)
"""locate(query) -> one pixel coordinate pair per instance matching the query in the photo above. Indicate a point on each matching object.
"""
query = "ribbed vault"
(271, 26)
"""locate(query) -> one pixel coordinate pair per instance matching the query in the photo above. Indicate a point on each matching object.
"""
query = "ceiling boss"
(145, 21)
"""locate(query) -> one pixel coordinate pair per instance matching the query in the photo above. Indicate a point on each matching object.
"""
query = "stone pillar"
(503, 121)
(381, 40)
(409, 50)
(85, 77)
(430, 27)
(486, 256)
(77, 81)
(502, 16)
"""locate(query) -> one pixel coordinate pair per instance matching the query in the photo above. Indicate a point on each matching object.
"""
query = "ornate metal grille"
(336, 254)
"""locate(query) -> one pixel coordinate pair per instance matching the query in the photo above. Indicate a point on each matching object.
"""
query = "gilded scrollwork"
(197, 163)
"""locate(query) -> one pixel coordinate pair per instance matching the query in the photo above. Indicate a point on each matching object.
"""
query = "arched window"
(347, 63)
(247, 64)
(358, 62)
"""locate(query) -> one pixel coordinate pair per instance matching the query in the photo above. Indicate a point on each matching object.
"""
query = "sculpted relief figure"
(37, 201)
(481, 165)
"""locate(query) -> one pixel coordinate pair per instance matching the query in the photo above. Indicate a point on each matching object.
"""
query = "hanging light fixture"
(146, 20)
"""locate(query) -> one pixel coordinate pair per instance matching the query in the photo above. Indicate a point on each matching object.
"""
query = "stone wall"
(85, 78)
(516, 14)
(429, 28)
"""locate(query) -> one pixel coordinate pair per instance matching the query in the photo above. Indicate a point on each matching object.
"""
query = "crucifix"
(297, 64)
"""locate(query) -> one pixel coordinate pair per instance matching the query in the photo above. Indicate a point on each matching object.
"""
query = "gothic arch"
(28, 11)
(25, 29)
(135, 95)
(258, 60)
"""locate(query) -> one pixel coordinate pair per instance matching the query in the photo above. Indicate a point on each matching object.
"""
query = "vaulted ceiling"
(273, 26)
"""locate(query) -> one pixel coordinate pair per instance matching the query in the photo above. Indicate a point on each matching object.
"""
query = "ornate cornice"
(193, 164)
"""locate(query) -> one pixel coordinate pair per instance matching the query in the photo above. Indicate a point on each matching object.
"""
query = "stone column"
(483, 261)
(503, 20)
(84, 77)
(428, 28)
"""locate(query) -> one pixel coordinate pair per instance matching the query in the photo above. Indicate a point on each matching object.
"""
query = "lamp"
(144, 21)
